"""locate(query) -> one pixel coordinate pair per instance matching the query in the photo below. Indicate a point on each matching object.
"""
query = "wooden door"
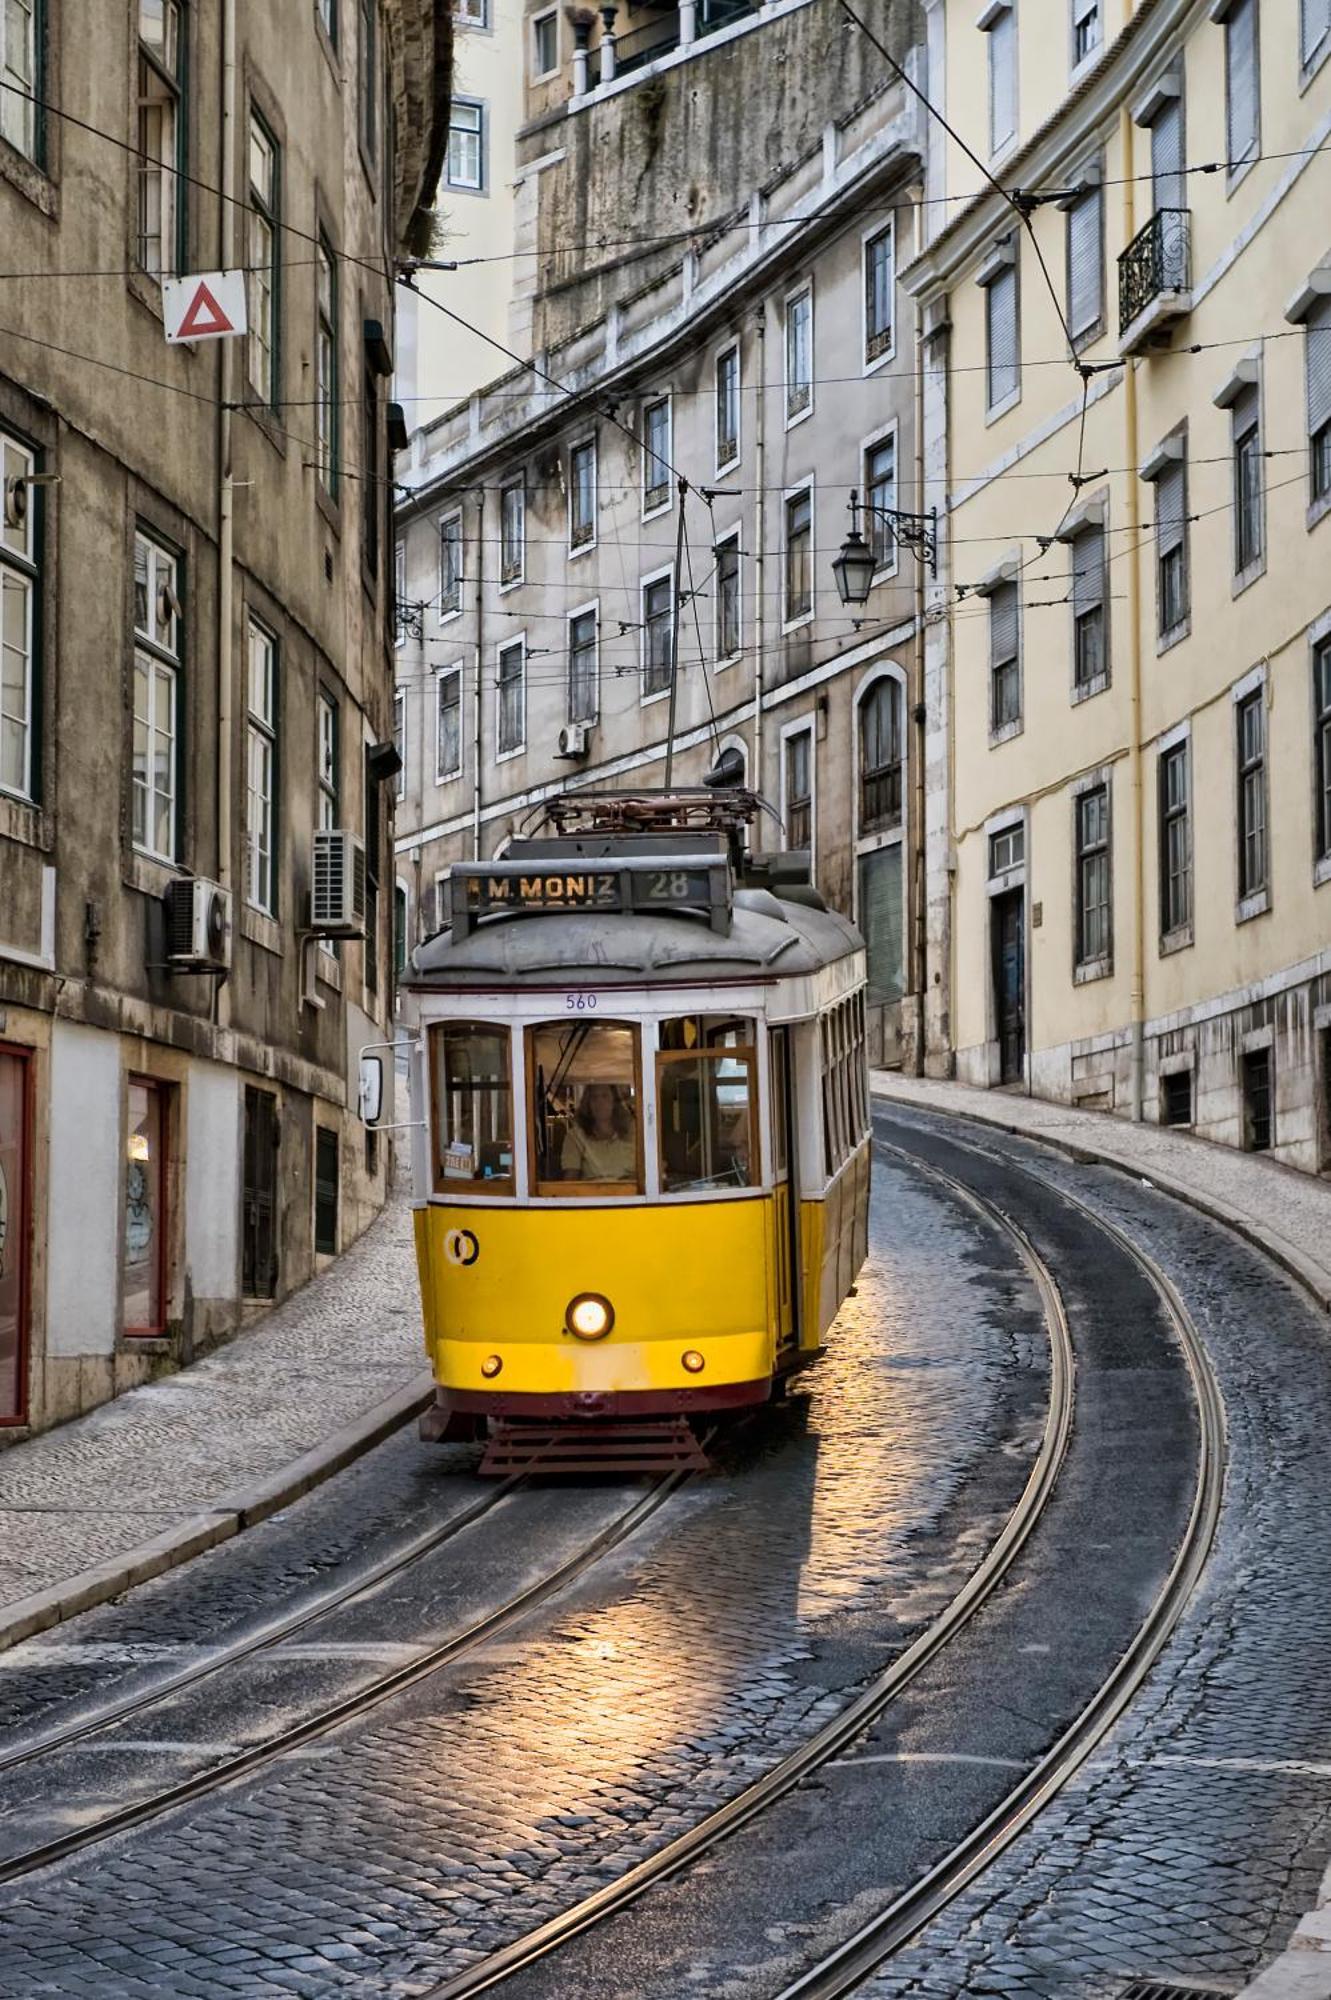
(1008, 916)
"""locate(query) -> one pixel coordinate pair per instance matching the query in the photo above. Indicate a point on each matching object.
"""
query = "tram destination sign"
(642, 884)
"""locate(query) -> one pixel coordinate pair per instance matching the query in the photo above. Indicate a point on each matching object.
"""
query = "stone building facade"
(722, 355)
(195, 560)
(1129, 675)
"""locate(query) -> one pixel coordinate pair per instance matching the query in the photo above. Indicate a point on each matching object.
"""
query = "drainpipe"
(760, 565)
(1135, 776)
(476, 679)
(919, 712)
(226, 492)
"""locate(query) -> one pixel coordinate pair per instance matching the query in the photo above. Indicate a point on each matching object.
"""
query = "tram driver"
(601, 1144)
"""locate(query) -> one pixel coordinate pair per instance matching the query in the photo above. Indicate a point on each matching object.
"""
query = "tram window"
(473, 1107)
(706, 1097)
(777, 1045)
(584, 1098)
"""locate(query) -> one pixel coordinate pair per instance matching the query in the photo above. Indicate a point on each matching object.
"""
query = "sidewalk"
(167, 1470)
(1284, 1213)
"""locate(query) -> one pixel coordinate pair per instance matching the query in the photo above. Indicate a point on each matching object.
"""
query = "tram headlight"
(589, 1316)
(693, 1361)
(491, 1366)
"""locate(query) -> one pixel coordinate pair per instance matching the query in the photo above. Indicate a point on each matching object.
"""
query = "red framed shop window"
(15, 1229)
(143, 1277)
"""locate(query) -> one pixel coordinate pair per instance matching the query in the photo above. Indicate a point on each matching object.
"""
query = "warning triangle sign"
(203, 316)
(207, 305)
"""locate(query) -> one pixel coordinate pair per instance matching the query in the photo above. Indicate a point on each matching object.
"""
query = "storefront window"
(473, 1107)
(142, 1301)
(706, 1100)
(584, 1084)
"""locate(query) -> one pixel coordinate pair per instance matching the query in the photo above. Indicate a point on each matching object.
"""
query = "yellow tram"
(640, 1115)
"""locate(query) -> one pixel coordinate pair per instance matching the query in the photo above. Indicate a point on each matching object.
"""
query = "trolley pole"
(674, 635)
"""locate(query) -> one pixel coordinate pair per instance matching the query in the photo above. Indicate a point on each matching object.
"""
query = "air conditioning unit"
(198, 926)
(573, 739)
(337, 899)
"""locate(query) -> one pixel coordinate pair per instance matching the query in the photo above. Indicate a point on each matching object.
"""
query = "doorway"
(15, 1209)
(259, 1196)
(1008, 921)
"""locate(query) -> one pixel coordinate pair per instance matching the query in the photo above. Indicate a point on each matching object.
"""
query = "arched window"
(880, 756)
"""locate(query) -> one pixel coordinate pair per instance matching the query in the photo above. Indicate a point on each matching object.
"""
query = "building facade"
(642, 527)
(195, 564)
(1128, 670)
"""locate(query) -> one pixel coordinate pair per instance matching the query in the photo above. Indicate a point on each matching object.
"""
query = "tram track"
(229, 1769)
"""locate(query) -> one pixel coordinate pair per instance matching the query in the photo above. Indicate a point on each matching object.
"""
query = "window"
(512, 532)
(1247, 456)
(328, 755)
(799, 555)
(1171, 547)
(327, 12)
(369, 76)
(325, 1191)
(472, 13)
(879, 294)
(880, 493)
(1175, 841)
(727, 638)
(1256, 1074)
(1250, 720)
(1322, 745)
(585, 1126)
(400, 592)
(264, 260)
(845, 1082)
(327, 370)
(471, 1090)
(400, 740)
(1093, 914)
(880, 918)
(448, 725)
(18, 618)
(450, 565)
(1007, 849)
(371, 485)
(1002, 33)
(1168, 181)
(880, 756)
(512, 691)
(727, 408)
(657, 632)
(161, 212)
(1002, 352)
(261, 772)
(1089, 653)
(1085, 29)
(582, 495)
(799, 355)
(1086, 304)
(143, 1275)
(1004, 657)
(707, 1101)
(1242, 115)
(583, 690)
(401, 928)
(374, 847)
(1176, 1098)
(799, 791)
(545, 45)
(21, 28)
(1314, 29)
(656, 454)
(1318, 369)
(157, 665)
(466, 144)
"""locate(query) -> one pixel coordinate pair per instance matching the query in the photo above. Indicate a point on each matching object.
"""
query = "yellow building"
(1127, 411)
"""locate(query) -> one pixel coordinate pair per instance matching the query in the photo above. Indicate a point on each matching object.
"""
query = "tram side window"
(706, 1095)
(473, 1107)
(584, 1100)
(845, 1092)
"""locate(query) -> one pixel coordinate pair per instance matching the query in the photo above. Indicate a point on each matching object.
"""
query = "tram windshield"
(706, 1098)
(473, 1106)
(584, 1088)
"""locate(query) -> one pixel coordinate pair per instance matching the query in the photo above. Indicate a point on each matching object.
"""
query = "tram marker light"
(693, 1361)
(491, 1366)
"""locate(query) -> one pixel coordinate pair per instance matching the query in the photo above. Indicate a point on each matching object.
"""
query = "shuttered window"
(1319, 397)
(1247, 443)
(1171, 548)
(1085, 268)
(1167, 156)
(1088, 606)
(1004, 659)
(1242, 123)
(1001, 335)
(1002, 79)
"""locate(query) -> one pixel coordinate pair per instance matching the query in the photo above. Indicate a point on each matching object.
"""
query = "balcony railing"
(1155, 263)
(676, 28)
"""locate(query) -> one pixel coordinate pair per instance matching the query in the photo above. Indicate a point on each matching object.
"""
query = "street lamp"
(856, 563)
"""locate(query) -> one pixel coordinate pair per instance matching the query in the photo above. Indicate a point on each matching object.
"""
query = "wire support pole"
(683, 487)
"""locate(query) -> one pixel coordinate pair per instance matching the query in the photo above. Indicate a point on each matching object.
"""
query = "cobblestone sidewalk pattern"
(178, 1449)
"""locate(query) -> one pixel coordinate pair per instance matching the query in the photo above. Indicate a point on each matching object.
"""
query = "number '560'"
(580, 1003)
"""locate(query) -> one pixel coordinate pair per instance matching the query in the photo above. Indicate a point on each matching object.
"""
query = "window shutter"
(1167, 156)
(1003, 624)
(1088, 570)
(1002, 314)
(1315, 26)
(1241, 79)
(1084, 272)
(1169, 508)
(1243, 411)
(1319, 366)
(1002, 79)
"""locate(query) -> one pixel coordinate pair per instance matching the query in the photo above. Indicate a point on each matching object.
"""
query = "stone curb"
(1312, 1277)
(244, 1507)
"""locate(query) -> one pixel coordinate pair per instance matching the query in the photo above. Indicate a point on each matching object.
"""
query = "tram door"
(786, 1178)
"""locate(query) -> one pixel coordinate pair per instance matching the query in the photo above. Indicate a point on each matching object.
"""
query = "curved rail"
(351, 1706)
(836, 1734)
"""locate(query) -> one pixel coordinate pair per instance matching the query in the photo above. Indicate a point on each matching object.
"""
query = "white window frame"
(477, 16)
(19, 569)
(20, 120)
(720, 660)
(400, 719)
(795, 624)
(455, 671)
(160, 187)
(446, 613)
(515, 640)
(518, 486)
(263, 213)
(887, 433)
(651, 510)
(885, 227)
(1078, 11)
(481, 185)
(592, 608)
(537, 22)
(723, 465)
(800, 294)
(583, 548)
(326, 726)
(805, 725)
(261, 734)
(164, 662)
(644, 584)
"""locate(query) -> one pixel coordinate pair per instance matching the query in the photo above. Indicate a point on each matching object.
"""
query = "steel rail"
(273, 1632)
(836, 1734)
(859, 1956)
(350, 1707)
